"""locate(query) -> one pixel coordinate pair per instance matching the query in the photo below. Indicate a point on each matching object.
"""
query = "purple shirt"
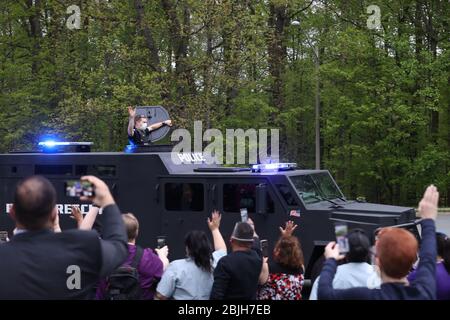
(442, 281)
(150, 271)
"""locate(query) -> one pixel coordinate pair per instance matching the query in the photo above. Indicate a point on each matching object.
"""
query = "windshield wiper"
(323, 198)
(341, 198)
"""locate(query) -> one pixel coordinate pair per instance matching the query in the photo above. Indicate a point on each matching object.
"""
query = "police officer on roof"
(138, 128)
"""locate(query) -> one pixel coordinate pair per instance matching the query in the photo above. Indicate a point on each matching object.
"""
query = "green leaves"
(384, 94)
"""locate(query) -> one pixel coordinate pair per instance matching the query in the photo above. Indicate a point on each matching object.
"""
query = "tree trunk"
(179, 42)
(277, 59)
(230, 33)
(277, 52)
(432, 44)
(35, 32)
(147, 33)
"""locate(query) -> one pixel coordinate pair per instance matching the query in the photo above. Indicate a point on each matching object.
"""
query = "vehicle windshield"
(316, 187)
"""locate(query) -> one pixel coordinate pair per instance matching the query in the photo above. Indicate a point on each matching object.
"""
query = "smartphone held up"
(4, 236)
(264, 248)
(161, 242)
(244, 215)
(341, 231)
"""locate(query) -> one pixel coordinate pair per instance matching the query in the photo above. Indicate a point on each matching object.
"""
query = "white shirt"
(183, 280)
(351, 275)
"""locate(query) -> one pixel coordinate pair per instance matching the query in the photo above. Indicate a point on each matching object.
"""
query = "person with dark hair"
(238, 274)
(285, 281)
(138, 129)
(34, 203)
(150, 266)
(442, 267)
(356, 272)
(396, 252)
(39, 263)
(192, 278)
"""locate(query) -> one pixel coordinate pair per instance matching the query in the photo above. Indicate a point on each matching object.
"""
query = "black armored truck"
(170, 199)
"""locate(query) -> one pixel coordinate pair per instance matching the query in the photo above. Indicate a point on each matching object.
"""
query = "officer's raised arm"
(160, 124)
(132, 114)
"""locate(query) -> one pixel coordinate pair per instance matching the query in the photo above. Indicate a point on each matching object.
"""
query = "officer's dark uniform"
(140, 137)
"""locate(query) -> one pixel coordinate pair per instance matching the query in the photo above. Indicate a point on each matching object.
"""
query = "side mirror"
(261, 198)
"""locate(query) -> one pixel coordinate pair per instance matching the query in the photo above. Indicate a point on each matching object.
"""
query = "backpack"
(123, 283)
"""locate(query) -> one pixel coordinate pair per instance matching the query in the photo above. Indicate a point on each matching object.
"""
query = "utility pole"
(317, 107)
(315, 48)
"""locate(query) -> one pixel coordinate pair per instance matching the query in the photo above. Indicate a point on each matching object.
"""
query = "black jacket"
(44, 265)
(236, 275)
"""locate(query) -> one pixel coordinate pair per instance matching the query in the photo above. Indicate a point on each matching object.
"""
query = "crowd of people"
(43, 262)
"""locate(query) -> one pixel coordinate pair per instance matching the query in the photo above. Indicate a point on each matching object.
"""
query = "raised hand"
(214, 220)
(332, 251)
(289, 228)
(76, 214)
(428, 206)
(163, 252)
(102, 196)
(131, 111)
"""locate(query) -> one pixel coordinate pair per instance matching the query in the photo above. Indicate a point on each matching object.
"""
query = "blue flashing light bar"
(130, 148)
(52, 143)
(53, 146)
(273, 167)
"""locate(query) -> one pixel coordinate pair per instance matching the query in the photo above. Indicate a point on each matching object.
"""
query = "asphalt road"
(443, 223)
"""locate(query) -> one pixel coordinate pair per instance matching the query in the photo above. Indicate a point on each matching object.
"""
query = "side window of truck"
(287, 194)
(184, 196)
(237, 196)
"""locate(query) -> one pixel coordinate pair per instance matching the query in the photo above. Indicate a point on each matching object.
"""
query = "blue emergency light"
(52, 143)
(273, 167)
(64, 146)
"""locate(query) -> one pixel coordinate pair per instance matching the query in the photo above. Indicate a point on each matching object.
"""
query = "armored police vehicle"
(171, 199)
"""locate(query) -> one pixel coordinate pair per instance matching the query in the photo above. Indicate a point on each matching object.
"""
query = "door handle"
(213, 189)
(157, 193)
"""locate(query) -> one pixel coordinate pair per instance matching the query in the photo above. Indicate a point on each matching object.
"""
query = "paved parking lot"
(443, 223)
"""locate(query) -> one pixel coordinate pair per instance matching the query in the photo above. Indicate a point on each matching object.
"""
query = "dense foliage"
(384, 93)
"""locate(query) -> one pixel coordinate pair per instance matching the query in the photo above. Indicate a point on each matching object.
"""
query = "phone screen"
(161, 242)
(341, 231)
(79, 188)
(244, 215)
(265, 248)
(3, 236)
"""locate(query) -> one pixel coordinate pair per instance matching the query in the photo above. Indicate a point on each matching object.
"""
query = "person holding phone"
(37, 252)
(356, 271)
(285, 280)
(238, 274)
(396, 250)
(192, 278)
